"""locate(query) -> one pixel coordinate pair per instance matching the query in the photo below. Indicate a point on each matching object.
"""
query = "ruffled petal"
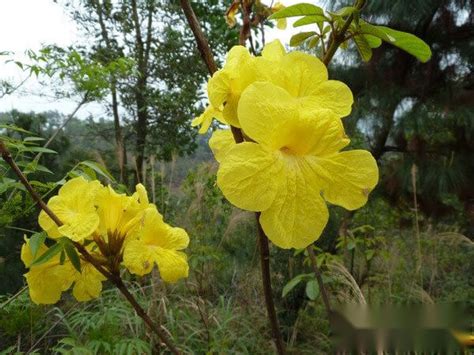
(138, 257)
(173, 265)
(303, 73)
(298, 214)
(220, 143)
(273, 50)
(349, 178)
(249, 176)
(332, 95)
(88, 283)
(263, 107)
(218, 87)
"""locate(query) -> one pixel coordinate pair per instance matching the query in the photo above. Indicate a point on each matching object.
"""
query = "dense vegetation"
(411, 243)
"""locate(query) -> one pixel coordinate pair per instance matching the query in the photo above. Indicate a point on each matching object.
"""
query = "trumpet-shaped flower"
(74, 205)
(160, 244)
(293, 165)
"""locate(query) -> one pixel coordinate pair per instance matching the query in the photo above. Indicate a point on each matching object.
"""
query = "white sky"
(29, 24)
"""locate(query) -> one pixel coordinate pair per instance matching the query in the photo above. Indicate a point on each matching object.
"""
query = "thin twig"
(113, 277)
(319, 278)
(339, 36)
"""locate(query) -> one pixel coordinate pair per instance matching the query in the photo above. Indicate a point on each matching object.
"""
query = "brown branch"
(267, 287)
(114, 278)
(201, 41)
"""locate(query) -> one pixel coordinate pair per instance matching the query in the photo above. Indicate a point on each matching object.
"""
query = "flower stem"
(319, 278)
(267, 287)
(338, 37)
(208, 58)
(114, 278)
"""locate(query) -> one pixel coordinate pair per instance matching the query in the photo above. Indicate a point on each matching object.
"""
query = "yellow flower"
(157, 243)
(305, 77)
(47, 281)
(294, 166)
(74, 205)
(226, 85)
(205, 119)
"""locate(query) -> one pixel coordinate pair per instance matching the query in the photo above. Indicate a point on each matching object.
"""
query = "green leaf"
(302, 9)
(33, 139)
(98, 169)
(374, 42)
(73, 256)
(313, 42)
(40, 150)
(363, 48)
(308, 20)
(292, 284)
(298, 38)
(369, 254)
(344, 11)
(403, 40)
(351, 245)
(46, 256)
(312, 289)
(36, 241)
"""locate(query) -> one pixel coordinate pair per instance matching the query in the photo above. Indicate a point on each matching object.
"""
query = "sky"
(29, 24)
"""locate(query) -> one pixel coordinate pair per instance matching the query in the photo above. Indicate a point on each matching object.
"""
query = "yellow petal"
(74, 206)
(248, 176)
(303, 73)
(138, 258)
(298, 214)
(173, 265)
(273, 50)
(218, 87)
(312, 133)
(205, 119)
(350, 176)
(88, 283)
(332, 95)
(220, 143)
(263, 107)
(236, 58)
(46, 282)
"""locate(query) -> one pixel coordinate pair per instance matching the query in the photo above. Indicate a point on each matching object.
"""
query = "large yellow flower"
(74, 205)
(157, 243)
(293, 166)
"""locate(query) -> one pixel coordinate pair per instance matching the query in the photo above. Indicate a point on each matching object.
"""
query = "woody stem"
(112, 277)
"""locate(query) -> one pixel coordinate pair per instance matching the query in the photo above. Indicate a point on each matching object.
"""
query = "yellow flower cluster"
(291, 162)
(117, 230)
